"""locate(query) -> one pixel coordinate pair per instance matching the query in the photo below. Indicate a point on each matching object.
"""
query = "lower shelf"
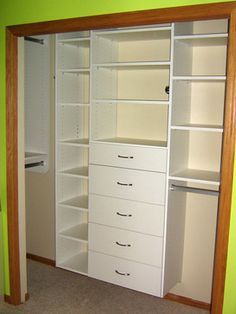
(77, 263)
(197, 176)
(78, 232)
(134, 141)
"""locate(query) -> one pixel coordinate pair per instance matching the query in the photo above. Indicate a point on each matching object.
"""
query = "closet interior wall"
(39, 145)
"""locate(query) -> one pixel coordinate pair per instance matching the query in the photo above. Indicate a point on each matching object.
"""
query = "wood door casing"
(187, 13)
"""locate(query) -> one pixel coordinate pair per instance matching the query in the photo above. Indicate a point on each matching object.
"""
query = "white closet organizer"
(73, 102)
(138, 171)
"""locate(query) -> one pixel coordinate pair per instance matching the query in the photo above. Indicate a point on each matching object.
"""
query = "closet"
(139, 124)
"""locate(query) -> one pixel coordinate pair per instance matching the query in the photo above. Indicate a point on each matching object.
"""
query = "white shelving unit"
(139, 135)
(73, 104)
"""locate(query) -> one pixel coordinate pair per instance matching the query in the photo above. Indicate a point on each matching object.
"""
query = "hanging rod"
(175, 187)
(35, 40)
(34, 164)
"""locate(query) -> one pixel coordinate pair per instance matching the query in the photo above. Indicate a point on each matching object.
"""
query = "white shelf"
(143, 65)
(197, 176)
(204, 39)
(133, 31)
(32, 157)
(75, 41)
(78, 232)
(134, 141)
(81, 172)
(83, 142)
(199, 78)
(131, 101)
(73, 104)
(198, 127)
(79, 203)
(77, 263)
(74, 71)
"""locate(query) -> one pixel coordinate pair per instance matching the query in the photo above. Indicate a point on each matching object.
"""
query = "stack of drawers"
(126, 215)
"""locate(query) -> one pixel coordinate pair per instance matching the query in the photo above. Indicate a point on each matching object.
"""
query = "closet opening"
(184, 131)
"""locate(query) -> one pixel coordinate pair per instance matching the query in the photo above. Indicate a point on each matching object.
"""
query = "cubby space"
(72, 191)
(73, 54)
(132, 45)
(195, 156)
(72, 161)
(198, 104)
(130, 123)
(131, 83)
(72, 255)
(198, 232)
(73, 87)
(73, 124)
(200, 56)
(206, 27)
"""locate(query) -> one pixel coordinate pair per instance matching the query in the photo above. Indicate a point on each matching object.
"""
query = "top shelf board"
(85, 42)
(149, 33)
(140, 65)
(203, 39)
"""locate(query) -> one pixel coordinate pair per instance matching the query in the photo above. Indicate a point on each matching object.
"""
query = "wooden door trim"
(187, 13)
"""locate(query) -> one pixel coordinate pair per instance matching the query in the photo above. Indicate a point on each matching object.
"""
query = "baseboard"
(7, 299)
(41, 259)
(187, 301)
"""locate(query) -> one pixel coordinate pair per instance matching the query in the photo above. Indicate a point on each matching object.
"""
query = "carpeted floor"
(57, 291)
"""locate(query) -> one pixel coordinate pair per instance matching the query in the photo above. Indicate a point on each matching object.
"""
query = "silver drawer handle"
(124, 184)
(122, 274)
(125, 157)
(124, 245)
(123, 215)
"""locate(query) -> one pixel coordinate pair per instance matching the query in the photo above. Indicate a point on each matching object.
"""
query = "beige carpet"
(57, 291)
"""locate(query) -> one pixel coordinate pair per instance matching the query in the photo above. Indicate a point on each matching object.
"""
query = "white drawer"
(135, 185)
(134, 157)
(131, 245)
(125, 273)
(131, 215)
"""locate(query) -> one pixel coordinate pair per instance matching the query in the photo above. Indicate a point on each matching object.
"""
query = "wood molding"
(196, 12)
(12, 167)
(41, 259)
(187, 301)
(154, 16)
(227, 168)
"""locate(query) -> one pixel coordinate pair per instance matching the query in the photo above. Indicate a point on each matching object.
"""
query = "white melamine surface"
(126, 244)
(78, 232)
(130, 215)
(78, 202)
(133, 157)
(136, 185)
(135, 276)
(77, 263)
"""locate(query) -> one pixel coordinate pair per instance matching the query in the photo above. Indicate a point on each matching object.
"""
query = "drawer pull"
(124, 184)
(125, 157)
(123, 215)
(124, 245)
(122, 274)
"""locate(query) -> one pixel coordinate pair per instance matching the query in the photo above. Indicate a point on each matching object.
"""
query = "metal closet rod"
(174, 187)
(35, 40)
(34, 164)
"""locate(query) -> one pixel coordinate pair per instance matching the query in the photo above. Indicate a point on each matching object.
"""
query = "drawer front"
(126, 244)
(134, 157)
(131, 215)
(125, 273)
(135, 185)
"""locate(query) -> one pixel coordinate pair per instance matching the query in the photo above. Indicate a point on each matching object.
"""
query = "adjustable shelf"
(131, 101)
(80, 172)
(137, 64)
(73, 104)
(133, 141)
(78, 202)
(80, 142)
(78, 233)
(74, 71)
(75, 41)
(199, 77)
(198, 127)
(197, 176)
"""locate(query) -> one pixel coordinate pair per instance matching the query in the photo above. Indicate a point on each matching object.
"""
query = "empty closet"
(139, 124)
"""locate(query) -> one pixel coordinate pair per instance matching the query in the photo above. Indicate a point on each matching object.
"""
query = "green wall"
(27, 11)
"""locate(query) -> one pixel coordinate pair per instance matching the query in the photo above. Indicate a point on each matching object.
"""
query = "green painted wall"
(27, 11)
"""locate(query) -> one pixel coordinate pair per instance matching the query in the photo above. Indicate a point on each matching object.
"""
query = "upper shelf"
(138, 64)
